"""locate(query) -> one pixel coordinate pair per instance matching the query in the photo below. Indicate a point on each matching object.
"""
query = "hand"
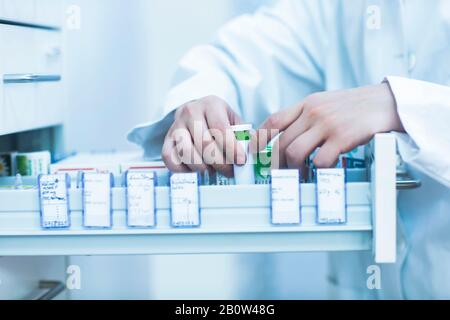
(337, 122)
(201, 138)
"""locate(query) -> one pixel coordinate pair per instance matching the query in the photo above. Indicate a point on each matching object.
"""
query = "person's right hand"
(201, 138)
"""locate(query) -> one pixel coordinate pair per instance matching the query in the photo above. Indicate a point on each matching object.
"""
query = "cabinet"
(31, 97)
(31, 65)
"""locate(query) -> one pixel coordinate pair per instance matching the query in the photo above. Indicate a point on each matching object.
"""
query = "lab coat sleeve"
(256, 64)
(424, 109)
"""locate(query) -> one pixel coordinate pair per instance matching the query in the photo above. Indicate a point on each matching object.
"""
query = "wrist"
(395, 121)
(390, 120)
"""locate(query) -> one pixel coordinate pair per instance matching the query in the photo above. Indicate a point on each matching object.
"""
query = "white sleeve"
(424, 109)
(257, 62)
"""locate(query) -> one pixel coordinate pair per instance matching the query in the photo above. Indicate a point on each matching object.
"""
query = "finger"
(328, 155)
(223, 135)
(298, 128)
(234, 117)
(302, 147)
(214, 157)
(261, 138)
(275, 123)
(171, 158)
(206, 145)
(187, 152)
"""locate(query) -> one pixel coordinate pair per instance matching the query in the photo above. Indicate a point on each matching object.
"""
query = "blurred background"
(119, 64)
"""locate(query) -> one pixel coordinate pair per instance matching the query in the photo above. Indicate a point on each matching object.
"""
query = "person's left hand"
(337, 122)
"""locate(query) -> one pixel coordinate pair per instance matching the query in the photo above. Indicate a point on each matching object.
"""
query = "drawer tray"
(232, 222)
(235, 219)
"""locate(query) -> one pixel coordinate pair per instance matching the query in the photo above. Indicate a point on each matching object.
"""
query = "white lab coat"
(273, 59)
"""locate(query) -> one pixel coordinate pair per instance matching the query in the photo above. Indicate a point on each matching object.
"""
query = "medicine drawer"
(235, 219)
(31, 91)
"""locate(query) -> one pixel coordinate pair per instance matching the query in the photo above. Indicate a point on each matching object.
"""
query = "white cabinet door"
(31, 90)
(17, 101)
(29, 102)
(49, 95)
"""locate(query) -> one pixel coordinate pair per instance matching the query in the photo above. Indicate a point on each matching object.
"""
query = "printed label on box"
(97, 200)
(54, 201)
(331, 196)
(184, 196)
(141, 199)
(285, 192)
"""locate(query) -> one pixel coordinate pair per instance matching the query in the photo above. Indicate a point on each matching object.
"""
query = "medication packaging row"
(185, 209)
